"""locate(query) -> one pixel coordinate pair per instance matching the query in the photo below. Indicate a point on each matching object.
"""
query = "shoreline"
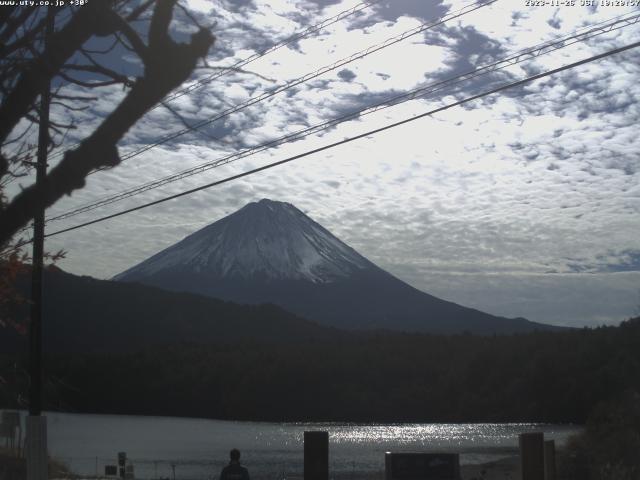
(502, 469)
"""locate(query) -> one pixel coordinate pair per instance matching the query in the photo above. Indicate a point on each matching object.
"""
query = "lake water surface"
(199, 448)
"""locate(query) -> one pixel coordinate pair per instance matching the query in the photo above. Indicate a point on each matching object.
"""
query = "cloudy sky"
(524, 203)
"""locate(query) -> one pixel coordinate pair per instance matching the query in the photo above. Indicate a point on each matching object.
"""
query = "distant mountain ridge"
(271, 252)
(86, 315)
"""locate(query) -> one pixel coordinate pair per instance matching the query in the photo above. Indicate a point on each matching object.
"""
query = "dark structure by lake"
(199, 448)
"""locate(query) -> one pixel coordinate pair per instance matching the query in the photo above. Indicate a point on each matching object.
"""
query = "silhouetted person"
(234, 471)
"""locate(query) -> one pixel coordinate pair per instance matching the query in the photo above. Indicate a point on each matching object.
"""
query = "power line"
(421, 92)
(246, 61)
(309, 76)
(356, 56)
(309, 31)
(351, 139)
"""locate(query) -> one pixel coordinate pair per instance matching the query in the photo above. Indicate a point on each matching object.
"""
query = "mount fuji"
(271, 252)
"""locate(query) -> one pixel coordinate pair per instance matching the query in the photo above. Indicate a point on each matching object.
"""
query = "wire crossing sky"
(350, 139)
(294, 38)
(246, 61)
(523, 203)
(309, 76)
(523, 55)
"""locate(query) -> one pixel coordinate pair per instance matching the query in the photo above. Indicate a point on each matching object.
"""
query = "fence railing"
(91, 468)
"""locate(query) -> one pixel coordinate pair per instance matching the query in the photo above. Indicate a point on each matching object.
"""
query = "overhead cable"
(246, 61)
(294, 38)
(309, 76)
(354, 138)
(421, 92)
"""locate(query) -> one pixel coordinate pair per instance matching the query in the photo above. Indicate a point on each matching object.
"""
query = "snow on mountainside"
(266, 239)
(271, 252)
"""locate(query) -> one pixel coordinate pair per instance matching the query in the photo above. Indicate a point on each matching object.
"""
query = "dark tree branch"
(70, 107)
(109, 49)
(72, 97)
(19, 137)
(27, 39)
(13, 24)
(4, 165)
(32, 117)
(135, 14)
(55, 129)
(68, 126)
(5, 13)
(167, 65)
(81, 83)
(120, 41)
(159, 28)
(63, 44)
(188, 14)
(64, 137)
(236, 70)
(100, 70)
(136, 42)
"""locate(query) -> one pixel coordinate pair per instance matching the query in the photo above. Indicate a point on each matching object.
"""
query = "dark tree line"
(543, 377)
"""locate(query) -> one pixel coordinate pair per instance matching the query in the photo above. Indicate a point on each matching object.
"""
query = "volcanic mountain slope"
(271, 252)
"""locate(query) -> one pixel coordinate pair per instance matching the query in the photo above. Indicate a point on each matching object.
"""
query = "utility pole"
(37, 461)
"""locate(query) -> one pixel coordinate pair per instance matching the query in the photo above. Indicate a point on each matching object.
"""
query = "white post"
(37, 462)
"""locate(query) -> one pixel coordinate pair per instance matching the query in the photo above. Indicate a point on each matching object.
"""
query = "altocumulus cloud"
(522, 204)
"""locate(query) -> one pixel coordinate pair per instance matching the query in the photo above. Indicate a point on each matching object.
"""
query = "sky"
(524, 203)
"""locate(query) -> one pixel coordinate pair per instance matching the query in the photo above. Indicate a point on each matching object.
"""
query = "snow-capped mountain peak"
(271, 252)
(265, 239)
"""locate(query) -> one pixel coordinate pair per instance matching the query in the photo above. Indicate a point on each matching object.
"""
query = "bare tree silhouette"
(26, 65)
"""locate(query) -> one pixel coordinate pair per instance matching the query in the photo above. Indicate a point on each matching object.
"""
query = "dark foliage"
(608, 448)
(85, 315)
(544, 376)
(27, 65)
(13, 467)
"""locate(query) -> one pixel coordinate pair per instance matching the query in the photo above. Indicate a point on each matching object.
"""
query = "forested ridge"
(86, 315)
(380, 377)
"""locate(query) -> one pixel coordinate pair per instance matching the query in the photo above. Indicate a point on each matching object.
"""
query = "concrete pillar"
(549, 460)
(37, 461)
(532, 455)
(316, 455)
